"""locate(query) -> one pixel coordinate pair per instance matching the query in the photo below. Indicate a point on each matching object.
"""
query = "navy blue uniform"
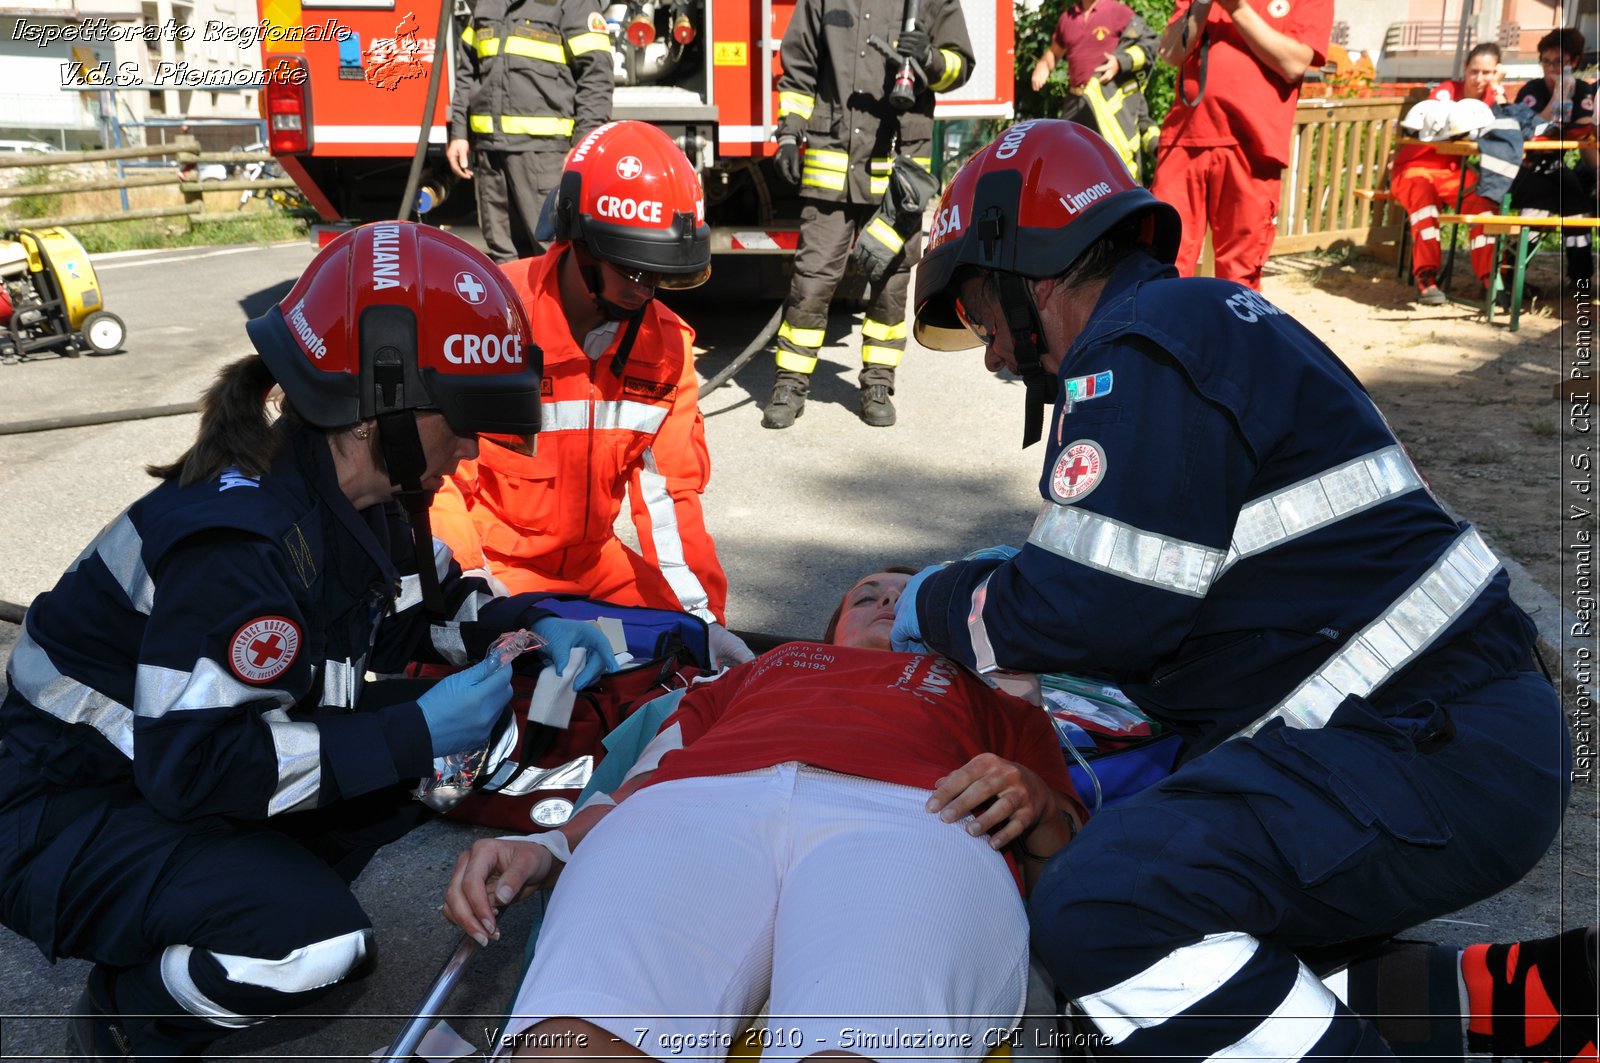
(193, 768)
(1232, 533)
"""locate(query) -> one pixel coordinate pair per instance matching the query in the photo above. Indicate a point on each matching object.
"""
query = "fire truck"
(347, 82)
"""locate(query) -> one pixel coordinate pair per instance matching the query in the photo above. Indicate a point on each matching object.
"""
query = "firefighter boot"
(97, 1031)
(877, 384)
(788, 400)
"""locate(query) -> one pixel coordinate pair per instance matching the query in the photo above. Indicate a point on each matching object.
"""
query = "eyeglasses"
(652, 279)
(1555, 61)
(986, 334)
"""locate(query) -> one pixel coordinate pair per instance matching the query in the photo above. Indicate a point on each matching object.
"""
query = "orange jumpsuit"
(1425, 181)
(546, 522)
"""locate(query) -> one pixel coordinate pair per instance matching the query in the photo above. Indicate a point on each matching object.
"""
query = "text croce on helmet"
(630, 196)
(394, 318)
(1027, 206)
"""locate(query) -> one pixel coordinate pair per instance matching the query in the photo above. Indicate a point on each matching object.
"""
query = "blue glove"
(992, 553)
(461, 709)
(906, 635)
(561, 636)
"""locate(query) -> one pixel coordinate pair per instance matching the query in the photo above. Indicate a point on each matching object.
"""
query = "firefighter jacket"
(209, 647)
(532, 76)
(1118, 111)
(531, 520)
(834, 91)
(1230, 531)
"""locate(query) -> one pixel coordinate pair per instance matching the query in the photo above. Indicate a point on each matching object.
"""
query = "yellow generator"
(49, 298)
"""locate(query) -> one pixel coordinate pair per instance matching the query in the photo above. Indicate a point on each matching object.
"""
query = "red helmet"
(632, 197)
(1029, 204)
(397, 316)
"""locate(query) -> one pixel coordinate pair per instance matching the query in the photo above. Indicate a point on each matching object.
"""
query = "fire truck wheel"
(104, 332)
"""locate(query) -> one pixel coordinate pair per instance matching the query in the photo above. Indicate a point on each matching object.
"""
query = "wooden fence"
(188, 154)
(1339, 146)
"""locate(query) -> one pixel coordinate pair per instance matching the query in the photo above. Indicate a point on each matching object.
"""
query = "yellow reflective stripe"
(796, 363)
(584, 43)
(536, 125)
(871, 354)
(834, 181)
(549, 51)
(952, 70)
(878, 330)
(1137, 57)
(924, 161)
(838, 161)
(487, 46)
(481, 123)
(1105, 117)
(795, 103)
(801, 337)
(881, 231)
(877, 186)
(470, 36)
(880, 165)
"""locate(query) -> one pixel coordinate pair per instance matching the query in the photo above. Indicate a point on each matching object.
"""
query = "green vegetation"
(157, 233)
(36, 206)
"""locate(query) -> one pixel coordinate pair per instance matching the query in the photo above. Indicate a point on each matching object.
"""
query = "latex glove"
(906, 635)
(461, 709)
(561, 636)
(789, 160)
(728, 649)
(992, 553)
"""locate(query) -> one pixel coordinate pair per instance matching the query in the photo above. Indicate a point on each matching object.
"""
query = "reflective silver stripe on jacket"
(978, 632)
(35, 676)
(572, 415)
(1398, 637)
(121, 549)
(1319, 500)
(158, 690)
(1126, 551)
(340, 681)
(658, 501)
(298, 748)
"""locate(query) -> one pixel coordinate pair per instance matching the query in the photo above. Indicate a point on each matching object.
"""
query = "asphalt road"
(797, 516)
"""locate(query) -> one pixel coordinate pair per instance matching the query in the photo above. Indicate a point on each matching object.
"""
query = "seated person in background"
(1545, 185)
(1108, 49)
(621, 403)
(837, 810)
(1425, 180)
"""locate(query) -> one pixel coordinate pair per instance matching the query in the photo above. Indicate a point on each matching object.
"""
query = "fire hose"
(763, 336)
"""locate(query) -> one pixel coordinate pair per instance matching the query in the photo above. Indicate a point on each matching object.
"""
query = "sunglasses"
(649, 278)
(986, 333)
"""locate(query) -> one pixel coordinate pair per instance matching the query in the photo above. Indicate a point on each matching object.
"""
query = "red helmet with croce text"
(396, 316)
(1029, 203)
(630, 195)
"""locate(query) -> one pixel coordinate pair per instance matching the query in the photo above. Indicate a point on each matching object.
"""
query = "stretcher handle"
(417, 1026)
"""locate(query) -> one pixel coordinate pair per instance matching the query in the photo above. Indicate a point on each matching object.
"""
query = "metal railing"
(1441, 36)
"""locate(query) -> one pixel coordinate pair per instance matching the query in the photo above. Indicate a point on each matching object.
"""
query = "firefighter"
(837, 95)
(1108, 50)
(533, 77)
(1231, 533)
(193, 768)
(622, 402)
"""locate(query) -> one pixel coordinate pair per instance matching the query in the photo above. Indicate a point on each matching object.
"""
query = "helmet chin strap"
(1022, 320)
(406, 461)
(594, 280)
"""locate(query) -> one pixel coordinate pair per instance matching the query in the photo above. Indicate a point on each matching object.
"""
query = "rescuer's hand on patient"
(489, 876)
(788, 161)
(461, 709)
(727, 649)
(1005, 799)
(561, 637)
(906, 635)
(458, 153)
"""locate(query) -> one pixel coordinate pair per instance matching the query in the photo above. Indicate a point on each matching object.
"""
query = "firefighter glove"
(461, 709)
(916, 46)
(789, 160)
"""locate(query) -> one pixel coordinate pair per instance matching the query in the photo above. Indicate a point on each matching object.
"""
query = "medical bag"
(1113, 750)
(533, 789)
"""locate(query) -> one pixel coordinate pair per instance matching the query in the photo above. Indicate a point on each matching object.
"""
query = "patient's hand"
(489, 876)
(1004, 798)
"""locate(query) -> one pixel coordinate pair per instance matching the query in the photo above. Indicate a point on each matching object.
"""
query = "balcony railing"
(1438, 37)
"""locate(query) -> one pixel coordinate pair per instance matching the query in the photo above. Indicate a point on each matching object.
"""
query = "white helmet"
(1468, 118)
(1428, 119)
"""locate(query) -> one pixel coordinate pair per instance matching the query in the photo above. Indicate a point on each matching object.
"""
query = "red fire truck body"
(348, 80)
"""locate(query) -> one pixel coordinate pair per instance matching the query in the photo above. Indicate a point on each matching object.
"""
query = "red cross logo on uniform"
(1078, 470)
(263, 649)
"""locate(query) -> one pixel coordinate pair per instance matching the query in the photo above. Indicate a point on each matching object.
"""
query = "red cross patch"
(264, 649)
(1079, 470)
